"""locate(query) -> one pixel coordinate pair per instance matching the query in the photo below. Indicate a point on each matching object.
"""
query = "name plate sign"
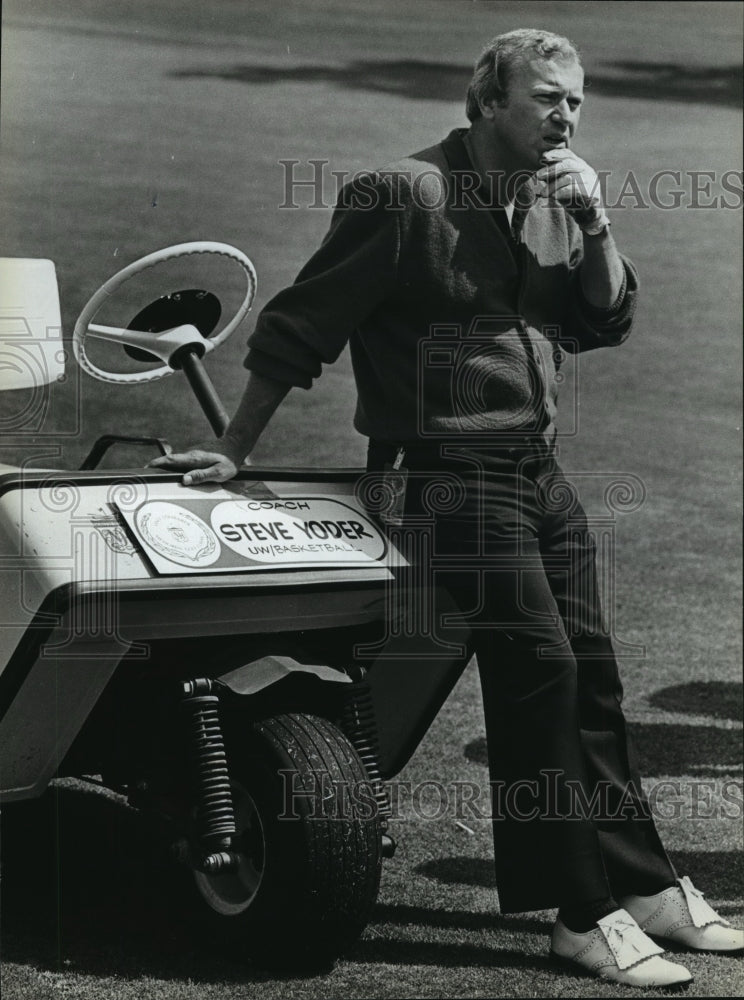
(223, 536)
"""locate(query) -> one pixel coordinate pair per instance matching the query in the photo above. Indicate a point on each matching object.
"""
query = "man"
(492, 252)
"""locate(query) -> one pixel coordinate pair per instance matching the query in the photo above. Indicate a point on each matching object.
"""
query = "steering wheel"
(167, 344)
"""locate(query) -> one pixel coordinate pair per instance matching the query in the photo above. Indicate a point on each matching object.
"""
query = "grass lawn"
(131, 126)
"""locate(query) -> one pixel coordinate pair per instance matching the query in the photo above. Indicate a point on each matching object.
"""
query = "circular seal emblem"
(177, 534)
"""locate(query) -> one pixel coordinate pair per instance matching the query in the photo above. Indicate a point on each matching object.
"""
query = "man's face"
(541, 111)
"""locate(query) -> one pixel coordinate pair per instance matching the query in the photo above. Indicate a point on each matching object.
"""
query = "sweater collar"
(459, 162)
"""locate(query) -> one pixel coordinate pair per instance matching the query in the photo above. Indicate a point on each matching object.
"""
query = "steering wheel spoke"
(163, 344)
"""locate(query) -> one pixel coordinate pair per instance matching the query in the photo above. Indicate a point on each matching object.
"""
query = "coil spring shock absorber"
(215, 817)
(358, 723)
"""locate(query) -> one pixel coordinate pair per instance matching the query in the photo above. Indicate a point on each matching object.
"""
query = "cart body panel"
(95, 565)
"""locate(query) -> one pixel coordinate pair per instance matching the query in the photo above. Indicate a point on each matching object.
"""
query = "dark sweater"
(456, 321)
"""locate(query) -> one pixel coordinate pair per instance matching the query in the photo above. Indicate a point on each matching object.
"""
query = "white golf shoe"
(617, 949)
(680, 916)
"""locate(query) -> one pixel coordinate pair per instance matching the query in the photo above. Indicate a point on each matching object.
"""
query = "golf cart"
(225, 656)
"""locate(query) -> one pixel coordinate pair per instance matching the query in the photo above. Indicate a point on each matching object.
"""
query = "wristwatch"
(598, 226)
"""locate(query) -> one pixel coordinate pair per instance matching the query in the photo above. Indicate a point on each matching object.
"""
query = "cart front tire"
(309, 839)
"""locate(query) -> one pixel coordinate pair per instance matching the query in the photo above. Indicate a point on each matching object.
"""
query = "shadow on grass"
(720, 699)
(419, 79)
(461, 870)
(404, 914)
(669, 749)
(87, 886)
(448, 955)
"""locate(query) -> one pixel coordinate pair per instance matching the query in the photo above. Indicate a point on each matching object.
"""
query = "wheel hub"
(232, 892)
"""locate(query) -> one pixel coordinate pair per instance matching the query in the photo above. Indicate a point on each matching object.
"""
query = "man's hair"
(496, 63)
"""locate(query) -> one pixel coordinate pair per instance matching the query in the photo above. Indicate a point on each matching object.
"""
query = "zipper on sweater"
(532, 354)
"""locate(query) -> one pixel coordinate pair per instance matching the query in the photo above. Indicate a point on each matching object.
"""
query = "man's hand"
(217, 460)
(213, 461)
(569, 181)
